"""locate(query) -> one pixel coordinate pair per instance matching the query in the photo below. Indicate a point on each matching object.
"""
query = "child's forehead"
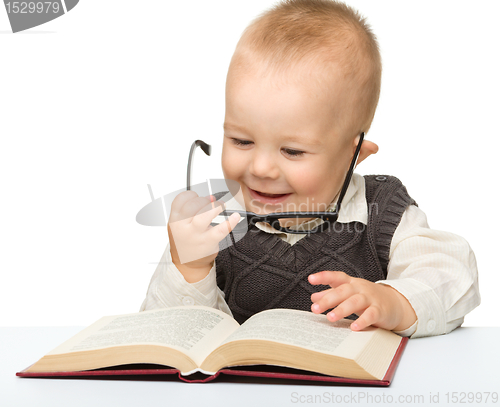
(315, 77)
(246, 63)
(312, 80)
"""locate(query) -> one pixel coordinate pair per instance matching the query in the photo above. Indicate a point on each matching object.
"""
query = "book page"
(298, 328)
(194, 331)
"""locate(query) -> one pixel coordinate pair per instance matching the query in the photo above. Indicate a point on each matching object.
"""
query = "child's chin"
(266, 208)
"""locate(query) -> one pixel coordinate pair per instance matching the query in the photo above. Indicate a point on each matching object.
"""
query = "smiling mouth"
(267, 197)
(270, 195)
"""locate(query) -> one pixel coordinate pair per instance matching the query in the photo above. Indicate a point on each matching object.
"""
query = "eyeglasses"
(329, 218)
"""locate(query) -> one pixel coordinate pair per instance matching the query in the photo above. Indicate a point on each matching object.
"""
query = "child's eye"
(239, 142)
(293, 153)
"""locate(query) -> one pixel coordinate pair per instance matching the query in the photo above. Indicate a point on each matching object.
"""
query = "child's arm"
(186, 273)
(168, 288)
(434, 271)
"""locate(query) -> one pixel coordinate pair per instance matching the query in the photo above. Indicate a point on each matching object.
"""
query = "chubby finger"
(369, 317)
(196, 205)
(206, 215)
(220, 231)
(333, 298)
(355, 304)
(331, 278)
(315, 297)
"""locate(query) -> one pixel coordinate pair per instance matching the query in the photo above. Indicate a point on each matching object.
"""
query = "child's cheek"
(306, 182)
(228, 165)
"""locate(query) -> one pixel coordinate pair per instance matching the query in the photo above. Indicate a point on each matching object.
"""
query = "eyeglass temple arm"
(349, 173)
(207, 149)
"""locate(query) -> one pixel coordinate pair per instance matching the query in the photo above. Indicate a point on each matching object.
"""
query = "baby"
(302, 89)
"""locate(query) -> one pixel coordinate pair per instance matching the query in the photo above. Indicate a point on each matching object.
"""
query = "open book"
(201, 339)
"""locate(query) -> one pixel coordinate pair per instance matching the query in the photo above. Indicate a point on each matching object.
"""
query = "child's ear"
(367, 148)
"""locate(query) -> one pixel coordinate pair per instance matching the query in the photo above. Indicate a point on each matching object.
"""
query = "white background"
(107, 99)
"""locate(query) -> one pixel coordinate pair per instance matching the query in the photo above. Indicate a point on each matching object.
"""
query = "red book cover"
(255, 374)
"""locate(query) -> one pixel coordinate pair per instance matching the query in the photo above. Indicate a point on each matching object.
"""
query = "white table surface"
(441, 370)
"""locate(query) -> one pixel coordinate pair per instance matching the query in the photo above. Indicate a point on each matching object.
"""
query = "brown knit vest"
(260, 271)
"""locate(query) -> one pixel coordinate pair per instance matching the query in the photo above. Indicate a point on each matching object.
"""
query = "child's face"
(282, 143)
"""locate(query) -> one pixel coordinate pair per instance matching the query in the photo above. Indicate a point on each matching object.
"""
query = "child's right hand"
(194, 243)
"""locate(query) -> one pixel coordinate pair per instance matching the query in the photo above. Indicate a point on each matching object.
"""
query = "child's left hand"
(376, 304)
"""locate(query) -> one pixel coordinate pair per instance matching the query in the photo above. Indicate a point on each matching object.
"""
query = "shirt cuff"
(208, 284)
(209, 294)
(203, 292)
(408, 331)
(431, 318)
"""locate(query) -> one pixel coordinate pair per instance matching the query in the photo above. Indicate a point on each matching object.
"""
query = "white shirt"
(436, 271)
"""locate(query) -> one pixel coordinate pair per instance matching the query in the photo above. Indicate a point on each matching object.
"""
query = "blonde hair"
(319, 31)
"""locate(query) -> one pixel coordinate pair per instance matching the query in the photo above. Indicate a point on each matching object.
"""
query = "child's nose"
(264, 166)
